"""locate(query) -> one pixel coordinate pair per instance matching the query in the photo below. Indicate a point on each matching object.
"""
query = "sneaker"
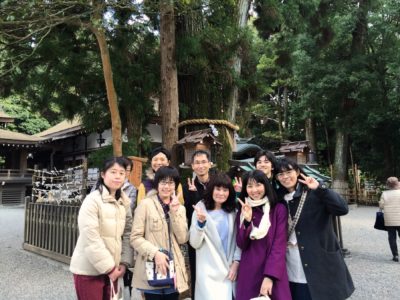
(395, 258)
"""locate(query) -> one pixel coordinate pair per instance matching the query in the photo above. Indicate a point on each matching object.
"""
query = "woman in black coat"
(314, 260)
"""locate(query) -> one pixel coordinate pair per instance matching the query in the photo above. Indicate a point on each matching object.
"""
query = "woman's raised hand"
(238, 184)
(174, 204)
(311, 182)
(201, 216)
(247, 212)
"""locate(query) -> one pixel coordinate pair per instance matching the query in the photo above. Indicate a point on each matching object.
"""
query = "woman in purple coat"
(262, 237)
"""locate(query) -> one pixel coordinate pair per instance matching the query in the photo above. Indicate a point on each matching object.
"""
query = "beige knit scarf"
(261, 231)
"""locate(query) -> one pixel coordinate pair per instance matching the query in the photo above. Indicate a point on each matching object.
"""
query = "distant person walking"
(390, 203)
(102, 253)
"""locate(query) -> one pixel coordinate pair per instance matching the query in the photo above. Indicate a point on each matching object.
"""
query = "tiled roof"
(61, 128)
(197, 137)
(294, 146)
(12, 137)
(5, 118)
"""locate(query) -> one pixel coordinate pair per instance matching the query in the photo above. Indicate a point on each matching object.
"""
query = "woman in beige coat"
(390, 203)
(102, 252)
(150, 237)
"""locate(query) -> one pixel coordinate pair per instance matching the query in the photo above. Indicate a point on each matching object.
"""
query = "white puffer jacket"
(104, 226)
(390, 203)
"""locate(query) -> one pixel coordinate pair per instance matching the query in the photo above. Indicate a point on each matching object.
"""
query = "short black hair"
(129, 163)
(260, 177)
(286, 164)
(268, 154)
(166, 172)
(201, 152)
(220, 180)
(161, 149)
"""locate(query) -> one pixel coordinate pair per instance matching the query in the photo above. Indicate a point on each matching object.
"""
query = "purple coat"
(264, 257)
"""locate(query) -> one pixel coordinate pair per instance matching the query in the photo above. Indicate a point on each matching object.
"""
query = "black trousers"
(173, 296)
(192, 264)
(392, 230)
(299, 291)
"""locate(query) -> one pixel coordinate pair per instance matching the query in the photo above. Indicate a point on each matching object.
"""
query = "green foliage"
(26, 120)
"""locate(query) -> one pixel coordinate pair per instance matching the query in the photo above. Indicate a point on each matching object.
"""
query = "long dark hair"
(107, 164)
(220, 180)
(284, 165)
(260, 177)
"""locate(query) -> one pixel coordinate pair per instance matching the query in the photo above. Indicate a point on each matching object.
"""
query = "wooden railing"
(51, 230)
(363, 197)
(12, 173)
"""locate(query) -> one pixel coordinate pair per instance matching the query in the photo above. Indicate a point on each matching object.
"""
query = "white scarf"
(261, 231)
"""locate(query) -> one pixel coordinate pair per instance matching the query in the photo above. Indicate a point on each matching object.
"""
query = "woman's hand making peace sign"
(311, 182)
(247, 212)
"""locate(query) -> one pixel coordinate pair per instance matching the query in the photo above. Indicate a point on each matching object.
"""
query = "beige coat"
(150, 233)
(390, 203)
(104, 226)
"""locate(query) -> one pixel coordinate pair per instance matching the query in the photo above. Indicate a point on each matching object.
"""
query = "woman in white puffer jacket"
(102, 252)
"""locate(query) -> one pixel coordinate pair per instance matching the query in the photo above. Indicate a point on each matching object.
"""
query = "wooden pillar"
(136, 174)
(23, 161)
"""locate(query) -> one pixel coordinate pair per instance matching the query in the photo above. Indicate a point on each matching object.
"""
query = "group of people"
(268, 234)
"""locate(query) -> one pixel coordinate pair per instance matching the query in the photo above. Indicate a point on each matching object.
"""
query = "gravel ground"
(374, 273)
(24, 275)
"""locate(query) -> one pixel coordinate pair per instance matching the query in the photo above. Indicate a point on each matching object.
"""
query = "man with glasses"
(193, 192)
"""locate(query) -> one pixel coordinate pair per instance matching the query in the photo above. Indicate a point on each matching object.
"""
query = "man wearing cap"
(390, 203)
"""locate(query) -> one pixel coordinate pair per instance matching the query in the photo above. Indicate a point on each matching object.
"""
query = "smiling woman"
(158, 216)
(213, 235)
(262, 235)
(102, 253)
(312, 247)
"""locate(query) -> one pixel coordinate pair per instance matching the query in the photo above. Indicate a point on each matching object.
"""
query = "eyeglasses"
(285, 173)
(165, 183)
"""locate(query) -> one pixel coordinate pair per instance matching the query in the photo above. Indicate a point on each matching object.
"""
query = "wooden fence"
(51, 230)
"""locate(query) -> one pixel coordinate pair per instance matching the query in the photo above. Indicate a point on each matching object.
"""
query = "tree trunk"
(243, 14)
(340, 164)
(310, 134)
(134, 131)
(108, 78)
(169, 80)
(285, 108)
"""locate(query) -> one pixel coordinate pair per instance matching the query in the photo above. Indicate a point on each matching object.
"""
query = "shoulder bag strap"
(293, 222)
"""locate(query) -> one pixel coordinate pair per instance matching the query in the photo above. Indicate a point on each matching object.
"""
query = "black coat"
(192, 197)
(326, 272)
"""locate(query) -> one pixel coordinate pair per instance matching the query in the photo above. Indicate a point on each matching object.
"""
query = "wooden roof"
(11, 137)
(63, 128)
(4, 118)
(298, 146)
(195, 137)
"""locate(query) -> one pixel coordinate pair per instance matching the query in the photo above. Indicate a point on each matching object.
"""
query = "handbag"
(116, 295)
(157, 279)
(380, 221)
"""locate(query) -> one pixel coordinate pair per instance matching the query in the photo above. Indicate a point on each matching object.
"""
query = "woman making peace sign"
(315, 263)
(262, 236)
(213, 235)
